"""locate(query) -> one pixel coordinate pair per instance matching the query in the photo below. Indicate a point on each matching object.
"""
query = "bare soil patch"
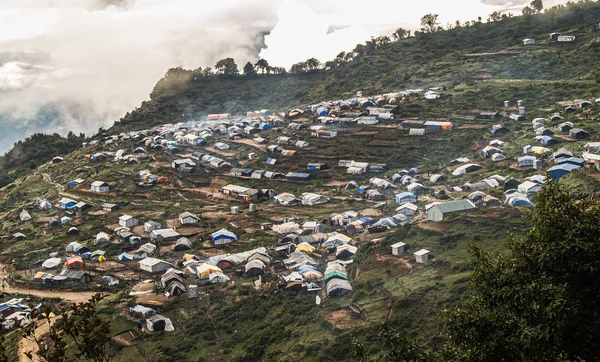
(371, 212)
(342, 319)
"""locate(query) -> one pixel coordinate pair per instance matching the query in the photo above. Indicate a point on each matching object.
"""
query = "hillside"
(262, 290)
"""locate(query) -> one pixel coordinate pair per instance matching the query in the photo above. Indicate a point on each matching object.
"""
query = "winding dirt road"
(74, 297)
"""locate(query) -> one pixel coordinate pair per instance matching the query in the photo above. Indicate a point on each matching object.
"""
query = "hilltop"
(314, 203)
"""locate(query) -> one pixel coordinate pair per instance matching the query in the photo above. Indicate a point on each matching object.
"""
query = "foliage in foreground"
(536, 302)
(80, 325)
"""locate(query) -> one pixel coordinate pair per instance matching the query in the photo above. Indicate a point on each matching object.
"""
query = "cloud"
(324, 28)
(94, 60)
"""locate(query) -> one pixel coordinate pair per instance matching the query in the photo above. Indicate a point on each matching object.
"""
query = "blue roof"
(413, 170)
(223, 234)
(559, 171)
(406, 194)
(522, 202)
(571, 160)
(563, 166)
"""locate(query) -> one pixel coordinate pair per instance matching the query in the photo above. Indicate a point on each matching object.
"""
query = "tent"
(182, 244)
(51, 263)
(218, 277)
(405, 197)
(159, 323)
(74, 262)
(562, 169)
(223, 236)
(203, 270)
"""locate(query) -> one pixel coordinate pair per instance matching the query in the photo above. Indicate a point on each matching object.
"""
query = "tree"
(400, 33)
(79, 324)
(299, 67)
(539, 300)
(227, 66)
(537, 5)
(494, 17)
(381, 41)
(249, 69)
(430, 23)
(263, 65)
(3, 356)
(528, 11)
(207, 72)
(312, 64)
(396, 347)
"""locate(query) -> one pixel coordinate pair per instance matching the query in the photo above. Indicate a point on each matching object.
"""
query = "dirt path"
(251, 143)
(215, 357)
(27, 345)
(48, 179)
(74, 297)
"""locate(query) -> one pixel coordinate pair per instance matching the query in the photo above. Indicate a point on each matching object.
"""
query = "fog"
(81, 64)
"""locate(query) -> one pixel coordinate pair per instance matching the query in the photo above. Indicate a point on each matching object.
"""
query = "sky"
(94, 60)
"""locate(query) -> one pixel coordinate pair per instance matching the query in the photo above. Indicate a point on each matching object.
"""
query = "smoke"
(81, 64)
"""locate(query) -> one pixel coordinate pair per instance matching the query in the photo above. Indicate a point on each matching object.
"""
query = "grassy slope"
(252, 325)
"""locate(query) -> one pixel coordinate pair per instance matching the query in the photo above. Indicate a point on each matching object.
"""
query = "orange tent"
(162, 180)
(74, 262)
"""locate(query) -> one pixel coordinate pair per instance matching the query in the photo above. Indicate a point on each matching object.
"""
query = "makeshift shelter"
(153, 265)
(407, 209)
(562, 169)
(255, 267)
(338, 287)
(422, 256)
(51, 263)
(398, 248)
(140, 311)
(404, 197)
(204, 270)
(182, 244)
(159, 323)
(438, 211)
(464, 169)
(223, 237)
(217, 278)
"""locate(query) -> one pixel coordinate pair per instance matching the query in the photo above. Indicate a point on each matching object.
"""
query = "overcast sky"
(97, 59)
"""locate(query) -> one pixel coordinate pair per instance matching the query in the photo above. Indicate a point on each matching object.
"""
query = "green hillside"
(477, 66)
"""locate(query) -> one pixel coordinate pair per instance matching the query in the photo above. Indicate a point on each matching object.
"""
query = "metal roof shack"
(438, 211)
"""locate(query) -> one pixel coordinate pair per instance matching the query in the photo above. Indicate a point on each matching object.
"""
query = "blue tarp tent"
(559, 171)
(223, 236)
(322, 111)
(571, 160)
(519, 201)
(547, 140)
(405, 197)
(413, 171)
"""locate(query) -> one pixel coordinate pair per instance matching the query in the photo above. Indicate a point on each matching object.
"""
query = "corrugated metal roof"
(453, 206)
